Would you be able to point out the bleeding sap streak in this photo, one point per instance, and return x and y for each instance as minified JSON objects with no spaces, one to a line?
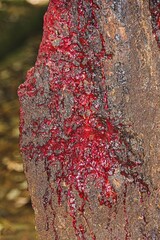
{"x":70,"y":125}
{"x":155,"y":14}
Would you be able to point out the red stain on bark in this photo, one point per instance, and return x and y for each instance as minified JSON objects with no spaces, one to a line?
{"x":66,"y":93}
{"x":155,"y":15}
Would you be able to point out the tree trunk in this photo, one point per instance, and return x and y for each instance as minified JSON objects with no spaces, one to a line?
{"x":89,"y":122}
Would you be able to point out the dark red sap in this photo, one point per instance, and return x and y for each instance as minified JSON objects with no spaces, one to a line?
{"x":155,"y":15}
{"x":65,"y":119}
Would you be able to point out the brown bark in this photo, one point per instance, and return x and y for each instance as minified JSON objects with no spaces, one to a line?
{"x":133,"y":91}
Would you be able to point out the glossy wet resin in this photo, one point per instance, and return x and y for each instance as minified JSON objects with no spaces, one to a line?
{"x":65,"y":118}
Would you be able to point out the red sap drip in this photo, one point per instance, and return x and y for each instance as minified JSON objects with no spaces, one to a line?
{"x":127,"y":237}
{"x":80,"y":143}
{"x":155,"y":18}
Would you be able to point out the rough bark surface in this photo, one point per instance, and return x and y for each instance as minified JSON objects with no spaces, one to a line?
{"x":91,"y":150}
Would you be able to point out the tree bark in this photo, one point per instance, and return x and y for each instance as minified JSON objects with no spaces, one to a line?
{"x":90,"y":123}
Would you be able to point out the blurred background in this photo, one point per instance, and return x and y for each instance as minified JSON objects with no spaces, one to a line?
{"x":20,"y":36}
